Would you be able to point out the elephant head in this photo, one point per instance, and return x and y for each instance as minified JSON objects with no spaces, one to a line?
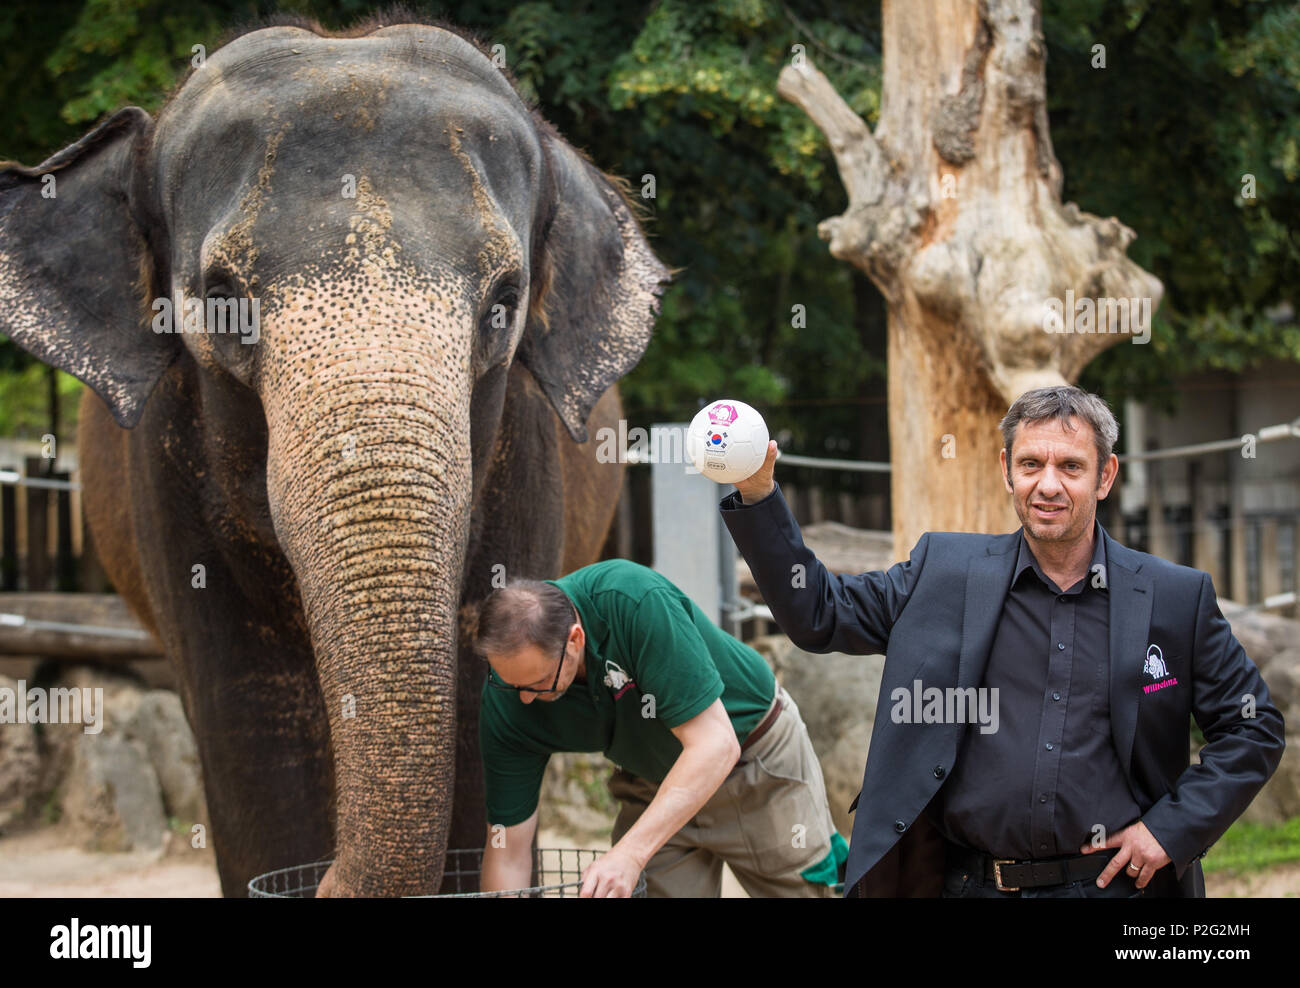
{"x":402,"y":228}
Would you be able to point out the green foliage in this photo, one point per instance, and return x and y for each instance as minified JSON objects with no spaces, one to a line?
{"x":24,"y":401}
{"x":1247,"y":846}
{"x":126,"y":52}
{"x":719,"y":62}
{"x":1195,"y":96}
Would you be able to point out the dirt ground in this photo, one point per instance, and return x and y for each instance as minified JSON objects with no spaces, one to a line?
{"x":46,"y":863}
{"x":1279,"y":882}
{"x":42,"y":863}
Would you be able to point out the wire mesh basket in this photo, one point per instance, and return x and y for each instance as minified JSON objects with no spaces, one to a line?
{"x":557,"y":872}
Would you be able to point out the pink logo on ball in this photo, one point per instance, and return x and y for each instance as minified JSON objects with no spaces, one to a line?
{"x":722,"y":414}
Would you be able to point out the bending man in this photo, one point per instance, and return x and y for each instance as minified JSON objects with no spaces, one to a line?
{"x":714,"y":761}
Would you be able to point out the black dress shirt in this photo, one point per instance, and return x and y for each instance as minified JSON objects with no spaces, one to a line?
{"x":1038,"y":785}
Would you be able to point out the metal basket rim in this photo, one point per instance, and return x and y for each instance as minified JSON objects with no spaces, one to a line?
{"x":257,"y":890}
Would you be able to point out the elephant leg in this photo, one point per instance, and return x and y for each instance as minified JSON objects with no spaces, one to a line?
{"x":241,"y":654}
{"x":267,"y":783}
{"x":469,"y":811}
{"x":263,"y":742}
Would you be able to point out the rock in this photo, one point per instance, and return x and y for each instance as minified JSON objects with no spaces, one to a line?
{"x":1279,"y":800}
{"x":115,"y":785}
{"x":574,"y":799}
{"x":1261,"y":634}
{"x":1282,"y":674}
{"x":836,"y":695}
{"x":105,"y":781}
{"x":111,"y":796}
{"x":843,"y":763}
{"x":115,"y":704}
{"x":158,"y":723}
{"x":20,"y":766}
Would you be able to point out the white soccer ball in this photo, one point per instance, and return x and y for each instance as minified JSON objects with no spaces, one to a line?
{"x":727,"y":441}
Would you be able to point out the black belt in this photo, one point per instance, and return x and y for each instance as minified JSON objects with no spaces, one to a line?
{"x":1010,"y":875}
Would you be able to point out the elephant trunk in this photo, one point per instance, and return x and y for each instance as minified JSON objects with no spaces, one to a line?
{"x":369,"y":479}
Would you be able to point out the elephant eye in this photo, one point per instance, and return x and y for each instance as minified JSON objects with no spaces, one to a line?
{"x":495,"y":341}
{"x":220,"y":290}
{"x":500,"y":315}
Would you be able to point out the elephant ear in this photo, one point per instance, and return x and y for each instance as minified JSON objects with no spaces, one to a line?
{"x":71,"y":255}
{"x":599,"y":285}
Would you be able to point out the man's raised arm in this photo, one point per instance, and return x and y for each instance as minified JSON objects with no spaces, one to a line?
{"x":818,"y":610}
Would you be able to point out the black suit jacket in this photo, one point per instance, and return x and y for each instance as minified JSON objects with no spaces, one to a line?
{"x":935,"y":615}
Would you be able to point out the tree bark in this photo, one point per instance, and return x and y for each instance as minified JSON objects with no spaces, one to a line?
{"x":955,"y":213}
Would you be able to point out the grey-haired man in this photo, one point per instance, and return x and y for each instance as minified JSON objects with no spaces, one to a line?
{"x":1096,"y":656}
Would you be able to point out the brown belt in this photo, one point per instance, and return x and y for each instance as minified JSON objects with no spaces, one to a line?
{"x":766,"y":723}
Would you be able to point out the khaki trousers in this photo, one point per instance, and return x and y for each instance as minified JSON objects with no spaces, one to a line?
{"x":769,"y":820}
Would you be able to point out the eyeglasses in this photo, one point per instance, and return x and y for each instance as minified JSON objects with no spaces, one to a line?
{"x":496,"y":682}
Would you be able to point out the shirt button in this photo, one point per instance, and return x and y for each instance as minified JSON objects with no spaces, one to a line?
{"x":938,"y":771}
{"x":900,"y":826}
{"x":1042,"y":799}
{"x":1061,"y":598}
{"x":1050,"y":746}
{"x":1042,"y":847}
{"x":1055,"y":695}
{"x":1061,"y":646}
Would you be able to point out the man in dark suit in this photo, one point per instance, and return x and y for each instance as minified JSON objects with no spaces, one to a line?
{"x":1031,"y":737}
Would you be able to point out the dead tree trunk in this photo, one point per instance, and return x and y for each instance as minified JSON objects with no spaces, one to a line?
{"x":955,"y":213}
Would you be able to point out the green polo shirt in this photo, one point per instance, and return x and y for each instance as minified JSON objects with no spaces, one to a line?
{"x":654,"y":661}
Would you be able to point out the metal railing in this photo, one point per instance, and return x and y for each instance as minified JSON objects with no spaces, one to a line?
{"x":14,"y":478}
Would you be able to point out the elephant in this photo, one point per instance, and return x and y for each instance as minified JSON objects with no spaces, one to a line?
{"x":306,"y":514}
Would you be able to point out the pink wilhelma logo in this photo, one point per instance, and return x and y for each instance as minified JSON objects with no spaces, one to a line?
{"x":722,"y":414}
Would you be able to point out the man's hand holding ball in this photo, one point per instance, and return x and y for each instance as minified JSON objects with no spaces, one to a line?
{"x":760,"y":484}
